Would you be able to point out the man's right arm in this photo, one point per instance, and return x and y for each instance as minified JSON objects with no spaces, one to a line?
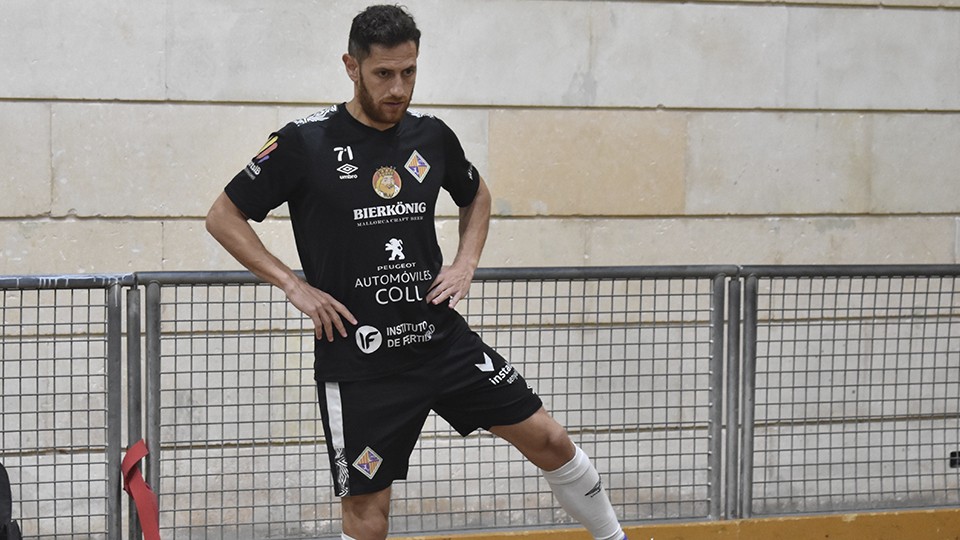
{"x":229,"y":226}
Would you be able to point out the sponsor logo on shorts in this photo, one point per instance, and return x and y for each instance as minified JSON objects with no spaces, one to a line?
{"x":368,"y":463}
{"x":487,"y":365}
{"x":506,"y":374}
{"x":369,"y":339}
{"x":417,"y":166}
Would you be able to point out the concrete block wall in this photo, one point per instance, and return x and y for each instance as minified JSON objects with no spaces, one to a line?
{"x":616,"y":132}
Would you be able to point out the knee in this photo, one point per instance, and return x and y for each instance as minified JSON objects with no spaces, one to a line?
{"x":365,"y":517}
{"x":559,"y":446}
{"x":541,"y":439}
{"x":554,"y":447}
{"x":367,"y":527}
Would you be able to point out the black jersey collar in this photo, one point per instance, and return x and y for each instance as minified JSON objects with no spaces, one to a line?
{"x":367,"y":129}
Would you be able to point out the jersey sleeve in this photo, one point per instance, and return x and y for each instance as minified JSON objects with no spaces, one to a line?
{"x":272,"y":176}
{"x":462,"y":179}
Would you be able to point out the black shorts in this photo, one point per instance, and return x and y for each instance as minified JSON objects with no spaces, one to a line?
{"x":373,"y":425}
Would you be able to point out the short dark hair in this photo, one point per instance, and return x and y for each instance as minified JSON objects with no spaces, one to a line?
{"x":381,"y":25}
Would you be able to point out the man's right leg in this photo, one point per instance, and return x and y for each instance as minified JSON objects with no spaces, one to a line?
{"x":369,"y":442}
{"x":365,"y":517}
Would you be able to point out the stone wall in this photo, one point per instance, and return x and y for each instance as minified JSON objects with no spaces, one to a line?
{"x":610,"y":132}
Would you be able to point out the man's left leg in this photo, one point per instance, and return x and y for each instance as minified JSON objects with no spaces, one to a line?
{"x":572,"y":477}
{"x":482,"y":390}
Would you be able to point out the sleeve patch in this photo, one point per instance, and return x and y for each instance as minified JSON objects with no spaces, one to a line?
{"x":253,"y":168}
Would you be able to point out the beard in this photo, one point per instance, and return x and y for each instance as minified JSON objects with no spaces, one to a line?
{"x":375,"y":112}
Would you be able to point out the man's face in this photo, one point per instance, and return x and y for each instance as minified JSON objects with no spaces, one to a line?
{"x":384,"y":83}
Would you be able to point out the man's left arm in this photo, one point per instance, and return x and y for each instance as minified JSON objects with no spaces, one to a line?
{"x":453,"y":283}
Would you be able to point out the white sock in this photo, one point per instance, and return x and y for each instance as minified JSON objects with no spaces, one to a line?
{"x":577,"y":486}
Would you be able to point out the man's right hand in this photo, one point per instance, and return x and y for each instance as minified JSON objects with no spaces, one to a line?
{"x":229,"y":226}
{"x":324,"y":310}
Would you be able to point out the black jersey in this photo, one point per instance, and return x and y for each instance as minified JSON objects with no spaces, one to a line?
{"x":362,"y":205}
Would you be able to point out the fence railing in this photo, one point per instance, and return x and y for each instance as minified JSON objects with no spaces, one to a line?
{"x":61,"y":369}
{"x":853,"y":381}
{"x":700,"y":392}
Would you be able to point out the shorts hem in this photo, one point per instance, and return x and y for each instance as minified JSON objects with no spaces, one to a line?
{"x":513,"y":420}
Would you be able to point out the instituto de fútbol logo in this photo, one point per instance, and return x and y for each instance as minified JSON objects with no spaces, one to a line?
{"x":369,"y":339}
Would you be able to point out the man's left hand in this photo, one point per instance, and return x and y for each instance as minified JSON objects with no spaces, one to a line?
{"x":453,"y":284}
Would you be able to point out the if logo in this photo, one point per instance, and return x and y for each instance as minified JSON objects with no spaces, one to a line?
{"x":369,"y":339}
{"x":341,"y":150}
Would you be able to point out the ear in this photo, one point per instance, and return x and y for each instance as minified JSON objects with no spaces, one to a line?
{"x":353,"y":67}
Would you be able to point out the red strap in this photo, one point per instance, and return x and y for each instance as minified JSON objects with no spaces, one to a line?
{"x":148,"y":509}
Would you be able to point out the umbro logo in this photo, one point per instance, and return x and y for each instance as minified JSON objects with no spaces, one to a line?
{"x":348,"y":169}
{"x":595,"y":490}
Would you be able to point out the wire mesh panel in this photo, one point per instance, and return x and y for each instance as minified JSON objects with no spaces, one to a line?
{"x":241,"y":449}
{"x":857,"y":395}
{"x":55,"y":399}
{"x":624,"y":364}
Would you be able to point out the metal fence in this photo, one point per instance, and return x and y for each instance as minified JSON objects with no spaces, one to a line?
{"x":846,"y":397}
{"x":629,"y":360}
{"x":60,"y":342}
{"x":853,"y":381}
{"x":233,"y":424}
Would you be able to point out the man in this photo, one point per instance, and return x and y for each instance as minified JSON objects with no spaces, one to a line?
{"x":362,"y":180}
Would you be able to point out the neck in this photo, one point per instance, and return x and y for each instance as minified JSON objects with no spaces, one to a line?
{"x":356,"y":111}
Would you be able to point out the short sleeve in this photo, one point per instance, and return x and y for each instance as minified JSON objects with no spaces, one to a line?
{"x":462,"y":179}
{"x":272,"y":176}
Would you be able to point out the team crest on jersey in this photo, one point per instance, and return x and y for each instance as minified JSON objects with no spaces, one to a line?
{"x":417,"y":166}
{"x":386,"y":182}
{"x":368,"y":463}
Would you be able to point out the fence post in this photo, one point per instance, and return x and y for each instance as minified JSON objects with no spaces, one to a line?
{"x":731,"y":508}
{"x":114,"y":410}
{"x":134,"y":391}
{"x":152,"y":398}
{"x":748,"y":395}
{"x":716,"y":396}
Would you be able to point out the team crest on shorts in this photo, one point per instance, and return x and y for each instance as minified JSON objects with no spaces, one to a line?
{"x":386,"y":182}
{"x":368,"y":463}
{"x":417,"y":166}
